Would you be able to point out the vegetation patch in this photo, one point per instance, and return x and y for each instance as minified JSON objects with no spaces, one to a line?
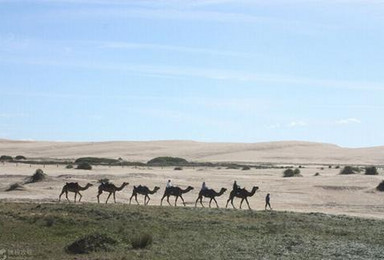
{"x":245,"y":168}
{"x":15,"y":187}
{"x":6,"y":158}
{"x":178,"y":169}
{"x":167,"y":161}
{"x":38,"y":176}
{"x":20,"y":157}
{"x":349,"y":170}
{"x":380,"y":187}
{"x":371,"y":171}
{"x":92,"y":243}
{"x":292,"y":173}
{"x":84,"y":166}
{"x":141,"y":241}
{"x":69,"y":166}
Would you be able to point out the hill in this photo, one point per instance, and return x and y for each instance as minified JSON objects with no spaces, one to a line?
{"x":269,"y":152}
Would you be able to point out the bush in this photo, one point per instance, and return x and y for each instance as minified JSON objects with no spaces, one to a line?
{"x":292,"y":173}
{"x":16,"y":186}
{"x":84,"y":166}
{"x":167,"y":161}
{"x":380,"y":187}
{"x":69,"y":166}
{"x":6,"y":158}
{"x":38,"y":176}
{"x":317,"y":174}
{"x":92,"y":243}
{"x":371,"y":171}
{"x":96,"y":160}
{"x":349,"y":170}
{"x":245,"y":168}
{"x":20,"y":157}
{"x":141,"y":241}
{"x":178,"y":169}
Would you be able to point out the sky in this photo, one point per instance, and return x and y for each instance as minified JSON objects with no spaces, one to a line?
{"x":204,"y":70}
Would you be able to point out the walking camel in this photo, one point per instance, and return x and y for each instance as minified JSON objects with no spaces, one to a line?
{"x":73,"y":187}
{"x":175,"y":191}
{"x":111,"y":188}
{"x":209,"y":193}
{"x":143,"y":190}
{"x":243,"y":194}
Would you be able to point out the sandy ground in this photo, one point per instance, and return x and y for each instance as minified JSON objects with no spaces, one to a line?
{"x":328,"y":193}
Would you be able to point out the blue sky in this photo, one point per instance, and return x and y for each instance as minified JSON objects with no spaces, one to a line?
{"x":208,"y":70}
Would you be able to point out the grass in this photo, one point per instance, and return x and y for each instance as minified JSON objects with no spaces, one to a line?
{"x":46,"y":231}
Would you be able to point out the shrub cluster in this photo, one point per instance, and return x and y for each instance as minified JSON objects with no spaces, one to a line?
{"x":349,"y":170}
{"x":371,"y":171}
{"x":292,"y":173}
{"x":167,"y":161}
{"x":84,"y":166}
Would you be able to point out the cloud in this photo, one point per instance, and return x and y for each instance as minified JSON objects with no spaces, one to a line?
{"x":172,"y":48}
{"x":348,"y":121}
{"x":199,"y":72}
{"x":297,"y":124}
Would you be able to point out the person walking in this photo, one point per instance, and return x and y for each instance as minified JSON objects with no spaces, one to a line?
{"x":267,"y":201}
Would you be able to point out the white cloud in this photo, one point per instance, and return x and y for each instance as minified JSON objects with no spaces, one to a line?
{"x":273,"y":126}
{"x":348,"y":121}
{"x":297,"y":124}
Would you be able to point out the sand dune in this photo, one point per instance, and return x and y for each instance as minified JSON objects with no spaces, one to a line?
{"x":271,"y":152}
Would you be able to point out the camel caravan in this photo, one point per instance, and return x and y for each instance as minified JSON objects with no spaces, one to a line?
{"x":170,"y":190}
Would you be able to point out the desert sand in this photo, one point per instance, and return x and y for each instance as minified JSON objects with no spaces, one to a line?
{"x":330,"y":192}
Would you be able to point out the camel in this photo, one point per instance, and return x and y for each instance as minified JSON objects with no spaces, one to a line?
{"x":111,"y":188}
{"x":73,"y":187}
{"x":243,"y":194}
{"x":175,"y":191}
{"x":209,"y":193}
{"x":143,"y":190}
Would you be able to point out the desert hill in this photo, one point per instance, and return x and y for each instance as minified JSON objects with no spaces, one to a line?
{"x":268,"y":152}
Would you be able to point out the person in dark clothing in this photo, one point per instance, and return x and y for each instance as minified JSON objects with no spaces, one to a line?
{"x":267,"y":201}
{"x":235,"y":186}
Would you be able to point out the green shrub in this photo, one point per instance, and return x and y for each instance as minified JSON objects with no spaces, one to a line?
{"x":349,"y":170}
{"x":38,"y":176}
{"x":317,"y":174}
{"x":167,"y":161}
{"x":6,"y":158}
{"x":371,"y":171}
{"x":84,"y":166}
{"x":292,"y":173}
{"x":92,"y":243}
{"x":15,"y":186}
{"x":69,"y":166}
{"x":20,"y":157}
{"x":245,"y":168}
{"x":380,"y":187}
{"x":141,"y":241}
{"x":178,"y":169}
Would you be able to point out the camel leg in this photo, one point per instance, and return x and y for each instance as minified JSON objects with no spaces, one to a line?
{"x":114,"y":197}
{"x":210,"y":202}
{"x":226,"y":205}
{"x":136,"y":200}
{"x":246,"y":200}
{"x":232,"y":203}
{"x":197,"y":201}
{"x":130,"y":199}
{"x":177,"y":197}
{"x":216,"y":203}
{"x":98,"y":195}
{"x":241,"y":203}
{"x":201,"y":201}
{"x":66,"y":195}
{"x":161,"y":202}
{"x":80,"y":196}
{"x":108,"y":197}
{"x":184,"y":201}
{"x":168,"y":201}
{"x":62,"y":192}
{"x":148,"y":199}
{"x":75,"y":197}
